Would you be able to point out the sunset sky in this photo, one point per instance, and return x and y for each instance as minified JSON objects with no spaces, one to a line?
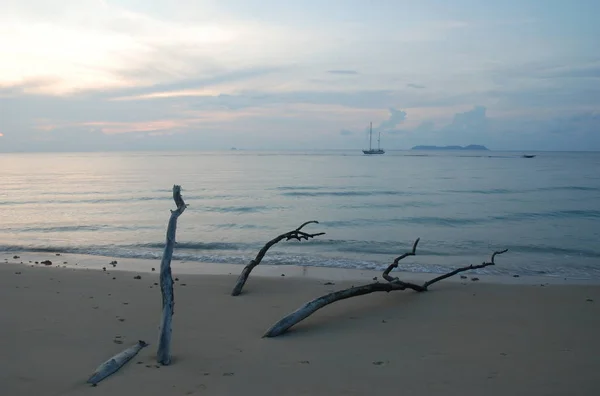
{"x":208,"y":75}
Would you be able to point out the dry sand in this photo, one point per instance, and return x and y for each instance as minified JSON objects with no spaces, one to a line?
{"x":461,"y":338}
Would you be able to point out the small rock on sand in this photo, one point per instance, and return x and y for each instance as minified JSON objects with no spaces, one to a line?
{"x":474,"y":279}
{"x":137,"y":277}
{"x":47,"y":262}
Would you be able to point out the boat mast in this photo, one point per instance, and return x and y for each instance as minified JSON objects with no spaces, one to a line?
{"x":370,"y":134}
{"x":378,"y":141}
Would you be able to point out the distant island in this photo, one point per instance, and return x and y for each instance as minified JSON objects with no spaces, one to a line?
{"x":469,"y":147}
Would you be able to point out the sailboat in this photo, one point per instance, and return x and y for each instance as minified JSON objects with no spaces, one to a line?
{"x":372,"y":150}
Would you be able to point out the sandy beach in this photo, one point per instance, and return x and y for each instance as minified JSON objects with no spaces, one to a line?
{"x":460,"y":338}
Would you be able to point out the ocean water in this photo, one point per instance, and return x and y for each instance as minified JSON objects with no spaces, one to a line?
{"x":463,"y":206}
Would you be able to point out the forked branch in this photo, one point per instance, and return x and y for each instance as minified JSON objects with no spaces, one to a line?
{"x":393,"y":284}
{"x":407,"y":285}
{"x":297,"y":234}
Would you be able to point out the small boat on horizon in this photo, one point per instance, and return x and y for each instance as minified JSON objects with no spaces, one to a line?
{"x":528,"y":156}
{"x":370,"y":151}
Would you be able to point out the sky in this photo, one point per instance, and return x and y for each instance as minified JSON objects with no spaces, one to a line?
{"x":95,"y":75}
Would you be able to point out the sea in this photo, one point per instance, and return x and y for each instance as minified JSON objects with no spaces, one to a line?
{"x":463,"y":205}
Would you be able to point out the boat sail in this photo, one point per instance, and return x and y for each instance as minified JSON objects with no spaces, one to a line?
{"x":379,"y":150}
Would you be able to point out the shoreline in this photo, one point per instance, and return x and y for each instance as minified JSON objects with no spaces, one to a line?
{"x":143,"y":265}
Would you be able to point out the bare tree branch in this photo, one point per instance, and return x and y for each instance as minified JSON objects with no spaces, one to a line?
{"x":294,"y":234}
{"x":470,"y":267}
{"x":166,"y":281}
{"x":394,"y":284}
{"x":386,"y":273}
{"x":311,"y":307}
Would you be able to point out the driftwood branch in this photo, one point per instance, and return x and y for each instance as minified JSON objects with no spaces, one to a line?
{"x":297,"y":234}
{"x":113,"y":364}
{"x":393,"y":284}
{"x":166,"y":282}
{"x":468,"y":268}
{"x":407,"y":285}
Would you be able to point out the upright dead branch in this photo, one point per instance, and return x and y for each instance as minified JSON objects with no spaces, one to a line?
{"x":294,"y":234}
{"x":393,"y":284}
{"x":166,"y":282}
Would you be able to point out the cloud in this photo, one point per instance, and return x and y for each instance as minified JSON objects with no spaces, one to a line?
{"x":468,"y":127}
{"x":396,"y":117}
{"x":185,"y":87}
{"x":416,"y":86}
{"x":350,"y":72}
{"x":472,"y":120}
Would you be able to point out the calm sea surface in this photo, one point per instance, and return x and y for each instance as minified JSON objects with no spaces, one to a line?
{"x":463,"y":205}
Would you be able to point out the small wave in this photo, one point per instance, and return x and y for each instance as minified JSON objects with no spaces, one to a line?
{"x":343,"y":193}
{"x":522,"y":191}
{"x":86,"y":228}
{"x":569,"y":188}
{"x":422,"y":220}
{"x":490,"y":191}
{"x":410,"y":204}
{"x":238,"y":209}
{"x":465,"y":221}
{"x":69,"y":193}
{"x":195,"y":245}
{"x":293,"y":188}
{"x":573,"y":213}
{"x":562,"y":251}
{"x":242,"y":226}
{"x":112,"y":200}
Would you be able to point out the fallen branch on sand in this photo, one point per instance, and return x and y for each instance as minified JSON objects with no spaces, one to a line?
{"x":294,"y":234}
{"x":113,"y":364}
{"x":393,"y":284}
{"x":166,"y":282}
